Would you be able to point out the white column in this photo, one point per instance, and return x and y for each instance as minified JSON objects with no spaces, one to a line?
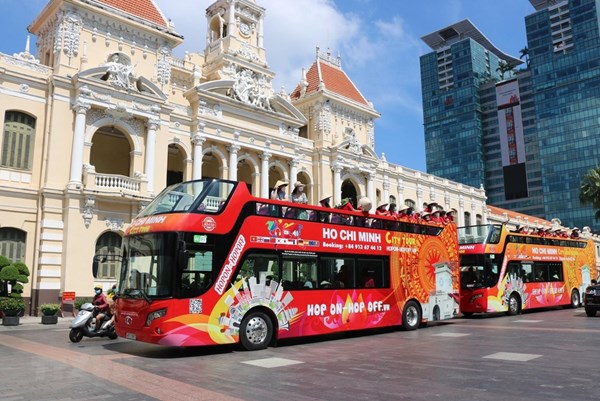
{"x":400,"y":193}
{"x":419,"y":205}
{"x":370,"y":189}
{"x":81,"y":108}
{"x":264,"y":174}
{"x":461,"y":212}
{"x":152,"y":126}
{"x":485,"y":215}
{"x":231,"y":18}
{"x":198,"y":140}
{"x":260,"y":32}
{"x":386,"y":190}
{"x":233,"y":159}
{"x":293,"y":172}
{"x":337,"y":185}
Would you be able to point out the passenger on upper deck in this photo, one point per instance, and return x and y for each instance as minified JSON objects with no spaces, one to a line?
{"x":382,"y":210}
{"x":392,"y":210}
{"x":279,"y":189}
{"x":298,"y":195}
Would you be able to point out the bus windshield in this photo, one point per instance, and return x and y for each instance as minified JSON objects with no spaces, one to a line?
{"x":483,"y":234}
{"x":147,"y":267}
{"x":202,"y":196}
{"x":479,"y":270}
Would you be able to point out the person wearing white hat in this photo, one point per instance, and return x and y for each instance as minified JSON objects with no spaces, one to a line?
{"x":298,"y":195}
{"x":278,"y":192}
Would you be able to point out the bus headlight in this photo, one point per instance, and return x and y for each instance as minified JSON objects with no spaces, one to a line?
{"x":155,"y":315}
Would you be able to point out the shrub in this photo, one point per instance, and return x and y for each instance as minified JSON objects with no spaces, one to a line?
{"x":50,"y":309}
{"x":11,"y":306}
{"x":81,"y":301}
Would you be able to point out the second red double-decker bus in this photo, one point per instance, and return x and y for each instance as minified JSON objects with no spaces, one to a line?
{"x":503,"y":271}
{"x":207,"y":263}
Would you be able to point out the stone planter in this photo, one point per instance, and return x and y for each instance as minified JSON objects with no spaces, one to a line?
{"x":10,"y":321}
{"x":49,"y":319}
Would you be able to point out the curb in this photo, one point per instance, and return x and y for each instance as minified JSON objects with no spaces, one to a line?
{"x":35,"y":323}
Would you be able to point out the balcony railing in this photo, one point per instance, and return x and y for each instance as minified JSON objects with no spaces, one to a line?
{"x":113,"y":183}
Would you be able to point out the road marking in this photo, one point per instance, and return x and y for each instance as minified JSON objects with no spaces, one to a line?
{"x":272,"y":362}
{"x":527,"y":321}
{"x":140,"y":381}
{"x":451,"y":335}
{"x":512,"y":356}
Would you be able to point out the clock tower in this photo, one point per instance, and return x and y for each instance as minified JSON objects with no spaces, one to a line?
{"x":234,"y":43}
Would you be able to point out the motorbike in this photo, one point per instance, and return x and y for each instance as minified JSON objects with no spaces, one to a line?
{"x":84,"y":325}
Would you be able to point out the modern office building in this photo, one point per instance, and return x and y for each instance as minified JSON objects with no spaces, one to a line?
{"x":527,"y":136}
{"x":103,"y":116}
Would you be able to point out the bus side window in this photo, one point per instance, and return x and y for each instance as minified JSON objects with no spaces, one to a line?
{"x":264,"y":267}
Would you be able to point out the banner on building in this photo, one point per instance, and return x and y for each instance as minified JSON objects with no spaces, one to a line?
{"x":512,"y":142}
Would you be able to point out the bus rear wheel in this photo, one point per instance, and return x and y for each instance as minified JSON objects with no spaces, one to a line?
{"x":514,"y":305}
{"x":256,"y":331}
{"x":575,"y":299}
{"x":411,"y":316}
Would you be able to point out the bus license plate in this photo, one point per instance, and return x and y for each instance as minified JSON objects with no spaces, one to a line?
{"x":130,"y":336}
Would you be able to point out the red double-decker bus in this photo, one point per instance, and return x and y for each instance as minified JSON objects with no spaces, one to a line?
{"x":504,"y":271}
{"x":207,"y":263}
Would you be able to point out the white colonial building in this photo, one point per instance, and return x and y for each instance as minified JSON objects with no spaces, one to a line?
{"x":102,"y":117}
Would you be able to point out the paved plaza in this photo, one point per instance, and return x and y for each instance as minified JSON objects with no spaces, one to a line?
{"x":548,"y":355}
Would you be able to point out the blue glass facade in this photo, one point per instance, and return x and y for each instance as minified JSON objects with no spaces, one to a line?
{"x":564,"y":49}
{"x":560,"y":101}
{"x":452,"y":114}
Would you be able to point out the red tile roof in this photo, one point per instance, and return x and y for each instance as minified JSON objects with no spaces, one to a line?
{"x":334,"y":80}
{"x":144,"y":9}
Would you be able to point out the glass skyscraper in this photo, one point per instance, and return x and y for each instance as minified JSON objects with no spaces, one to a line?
{"x":526,"y":136}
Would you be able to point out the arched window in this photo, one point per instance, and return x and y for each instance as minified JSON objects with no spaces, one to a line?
{"x":467,"y":219}
{"x":108,"y":254}
{"x":12,"y":244}
{"x":18,"y":140}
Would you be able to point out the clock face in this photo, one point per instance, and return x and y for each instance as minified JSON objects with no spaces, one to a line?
{"x":244,"y":28}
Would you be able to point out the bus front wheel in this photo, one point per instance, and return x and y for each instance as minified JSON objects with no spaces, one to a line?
{"x":256,"y":331}
{"x":575,"y":299}
{"x":411,"y":316}
{"x":514,"y":305}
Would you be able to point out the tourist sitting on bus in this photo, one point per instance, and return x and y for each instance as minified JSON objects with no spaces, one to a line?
{"x":325,"y":284}
{"x":308,"y":282}
{"x":392,"y":210}
{"x":341,"y":277}
{"x":298,"y":195}
{"x":368,"y":280}
{"x":382,"y":210}
{"x":539,"y":275}
{"x":278,"y":192}
{"x":575,"y":232}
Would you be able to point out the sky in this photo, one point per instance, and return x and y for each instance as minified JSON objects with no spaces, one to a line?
{"x":379,"y":42}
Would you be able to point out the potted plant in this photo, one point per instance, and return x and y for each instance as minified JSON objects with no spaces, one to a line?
{"x":11,"y":307}
{"x":49,"y":313}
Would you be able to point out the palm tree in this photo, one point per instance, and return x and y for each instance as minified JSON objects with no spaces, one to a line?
{"x":589,"y":191}
{"x":525,"y":53}
{"x":504,"y":67}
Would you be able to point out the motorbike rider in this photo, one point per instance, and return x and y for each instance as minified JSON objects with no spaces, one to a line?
{"x":101,"y":303}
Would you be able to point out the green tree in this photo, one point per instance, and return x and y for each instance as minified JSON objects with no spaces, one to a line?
{"x":16,"y":274}
{"x":589,"y":191}
{"x":525,"y":54}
